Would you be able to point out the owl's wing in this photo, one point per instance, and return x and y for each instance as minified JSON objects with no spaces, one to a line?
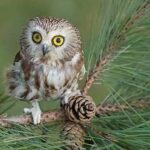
{"x":15,"y":78}
{"x":17,"y":58}
{"x":82,"y":72}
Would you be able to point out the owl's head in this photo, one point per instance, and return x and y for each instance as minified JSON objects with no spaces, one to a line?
{"x":50,"y":38}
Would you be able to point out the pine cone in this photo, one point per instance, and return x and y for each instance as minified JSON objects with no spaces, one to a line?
{"x":80,"y":109}
{"x":74,"y":136}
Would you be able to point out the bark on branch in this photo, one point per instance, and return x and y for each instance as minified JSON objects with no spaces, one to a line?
{"x":103,"y":109}
{"x":27,"y":119}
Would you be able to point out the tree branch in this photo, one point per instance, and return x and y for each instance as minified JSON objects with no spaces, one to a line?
{"x":102,"y":109}
{"x":27,"y":119}
{"x":104,"y":61}
{"x":105,"y":109}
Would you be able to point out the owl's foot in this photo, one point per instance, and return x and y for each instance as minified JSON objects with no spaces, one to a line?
{"x":35,"y":111}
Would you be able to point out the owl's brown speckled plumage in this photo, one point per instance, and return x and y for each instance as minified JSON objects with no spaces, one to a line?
{"x":44,"y":69}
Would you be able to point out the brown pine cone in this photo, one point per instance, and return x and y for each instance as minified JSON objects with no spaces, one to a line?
{"x":73,"y":134}
{"x":80,"y":109}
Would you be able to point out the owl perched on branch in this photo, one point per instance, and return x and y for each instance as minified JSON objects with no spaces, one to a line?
{"x":48,"y":65}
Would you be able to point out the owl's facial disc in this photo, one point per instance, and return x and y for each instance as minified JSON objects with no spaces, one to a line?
{"x":50,"y":39}
{"x":50,"y":44}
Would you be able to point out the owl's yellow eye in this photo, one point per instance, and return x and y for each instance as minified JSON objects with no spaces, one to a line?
{"x":36,"y":37}
{"x":58,"y":40}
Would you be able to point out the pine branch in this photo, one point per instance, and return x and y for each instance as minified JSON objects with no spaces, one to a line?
{"x":102,"y":109}
{"x":106,"y":109}
{"x":106,"y":136}
{"x":104,"y":61}
{"x":27,"y":119}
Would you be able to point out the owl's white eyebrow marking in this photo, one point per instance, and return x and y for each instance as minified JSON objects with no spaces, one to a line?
{"x":37,"y":29}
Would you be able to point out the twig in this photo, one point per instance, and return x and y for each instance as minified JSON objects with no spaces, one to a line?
{"x":106,"y":136}
{"x":103,"y":109}
{"x":104,"y":61}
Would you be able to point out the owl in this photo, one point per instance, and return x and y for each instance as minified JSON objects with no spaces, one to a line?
{"x":49,"y":64}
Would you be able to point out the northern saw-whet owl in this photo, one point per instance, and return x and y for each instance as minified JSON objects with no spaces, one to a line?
{"x":48,"y":65}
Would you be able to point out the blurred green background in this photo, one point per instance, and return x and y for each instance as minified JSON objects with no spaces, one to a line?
{"x":15,"y":14}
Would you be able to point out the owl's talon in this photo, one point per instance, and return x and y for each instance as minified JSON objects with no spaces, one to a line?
{"x":36,"y":115}
{"x":35,"y":111}
{"x":27,"y":110}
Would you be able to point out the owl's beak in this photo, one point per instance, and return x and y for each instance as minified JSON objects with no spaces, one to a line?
{"x":45,"y":49}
